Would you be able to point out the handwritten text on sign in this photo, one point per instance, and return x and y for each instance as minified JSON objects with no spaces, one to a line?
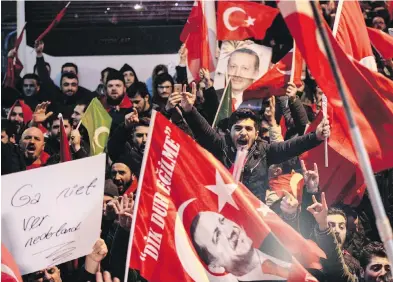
{"x":53,"y":214}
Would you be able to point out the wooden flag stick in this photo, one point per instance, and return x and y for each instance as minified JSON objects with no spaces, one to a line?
{"x":293,"y":66}
{"x":324,"y":111}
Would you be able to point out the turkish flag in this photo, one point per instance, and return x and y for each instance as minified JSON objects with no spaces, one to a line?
{"x":65,"y":153}
{"x":193,"y":223}
{"x":274,"y":82}
{"x":382,"y":41}
{"x":292,"y":183}
{"x":370,"y":98}
{"x":351,"y":33}
{"x":56,"y":20}
{"x":195,"y":35}
{"x":242,"y":20}
{"x":9,"y":268}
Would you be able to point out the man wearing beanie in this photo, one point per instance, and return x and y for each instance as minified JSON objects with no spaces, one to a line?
{"x":129,"y":75}
{"x":116,"y":102}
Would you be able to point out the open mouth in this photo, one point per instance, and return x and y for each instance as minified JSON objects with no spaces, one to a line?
{"x":30,"y":148}
{"x":242,"y":142}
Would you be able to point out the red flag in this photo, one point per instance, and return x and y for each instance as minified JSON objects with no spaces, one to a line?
{"x":9,"y":268}
{"x":276,"y":79}
{"x":292,"y":182}
{"x":57,"y":19}
{"x":242,"y":20}
{"x":382,"y":42}
{"x":195,"y":35}
{"x":370,"y":97}
{"x":65,"y":153}
{"x":192,"y":213}
{"x":351,"y":33}
{"x":20,"y":37}
{"x":390,"y":9}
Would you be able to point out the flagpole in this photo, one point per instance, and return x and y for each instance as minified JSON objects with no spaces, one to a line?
{"x":337,"y":18}
{"x":382,"y":221}
{"x":293,"y":66}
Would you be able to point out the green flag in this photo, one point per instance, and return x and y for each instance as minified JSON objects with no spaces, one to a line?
{"x":98,"y":124}
{"x":225,"y":107}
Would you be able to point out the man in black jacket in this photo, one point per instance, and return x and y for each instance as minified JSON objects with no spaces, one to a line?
{"x":244,"y":125}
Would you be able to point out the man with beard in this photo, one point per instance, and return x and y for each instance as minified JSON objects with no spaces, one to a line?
{"x":140,"y":99}
{"x":69,"y":91}
{"x":32,"y":146}
{"x":122,"y":175}
{"x":129,"y":139}
{"x":243,"y":125}
{"x":337,"y":221}
{"x":116,"y":102}
{"x":375,"y":264}
{"x":20,"y":114}
{"x":225,"y":247}
{"x":77,"y":147}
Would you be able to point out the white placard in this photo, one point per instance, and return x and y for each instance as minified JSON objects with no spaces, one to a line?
{"x":51,"y":215}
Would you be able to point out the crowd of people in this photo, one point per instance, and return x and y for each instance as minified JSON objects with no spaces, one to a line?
{"x":30,"y":135}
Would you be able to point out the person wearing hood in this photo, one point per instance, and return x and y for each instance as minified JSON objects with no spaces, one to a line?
{"x":123,"y":176}
{"x":21,"y":115}
{"x":129,"y":75}
{"x":116,"y":102}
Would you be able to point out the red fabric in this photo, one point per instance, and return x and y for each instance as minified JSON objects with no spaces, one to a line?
{"x":195,"y":36}
{"x":283,"y":127}
{"x":132,"y":187}
{"x":20,"y":37}
{"x":242,"y":20}
{"x":292,"y":183}
{"x":57,"y":19}
{"x":27,"y":112}
{"x":9,"y":268}
{"x":274,"y":82}
{"x":65,"y":153}
{"x":42,"y":161}
{"x":390,"y":8}
{"x":10,"y":76}
{"x":233,"y":104}
{"x":382,"y":42}
{"x":179,"y":178}
{"x":352,"y":33}
{"x":126,"y":103}
{"x":374,"y":116}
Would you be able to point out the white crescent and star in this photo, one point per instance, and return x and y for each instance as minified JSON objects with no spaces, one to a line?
{"x":223,"y":191}
{"x":97,"y":133}
{"x":227,"y":13}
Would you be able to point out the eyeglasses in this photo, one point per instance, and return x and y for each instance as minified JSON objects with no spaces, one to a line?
{"x":164,"y":87}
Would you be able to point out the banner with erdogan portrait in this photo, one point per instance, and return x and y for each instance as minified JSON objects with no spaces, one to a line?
{"x":193,"y":223}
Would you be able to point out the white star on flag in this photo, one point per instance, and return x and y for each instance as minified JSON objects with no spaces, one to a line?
{"x":250,"y":21}
{"x":264,"y":209}
{"x":223,"y":191}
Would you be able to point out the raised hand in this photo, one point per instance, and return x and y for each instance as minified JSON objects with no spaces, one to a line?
{"x":131,"y":118}
{"x":291,"y":90}
{"x":204,"y":75}
{"x":188,"y":99}
{"x":40,"y":115}
{"x":289,"y":204}
{"x":123,"y":210}
{"x":311,"y":178}
{"x":270,"y":111}
{"x":320,"y":212}
{"x":323,"y":130}
{"x":12,"y":53}
{"x":173,"y":100}
{"x":100,"y":250}
{"x":106,"y":277}
{"x":183,"y":52}
{"x":39,"y":48}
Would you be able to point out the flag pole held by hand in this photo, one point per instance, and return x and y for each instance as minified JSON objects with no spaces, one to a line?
{"x":324,"y":111}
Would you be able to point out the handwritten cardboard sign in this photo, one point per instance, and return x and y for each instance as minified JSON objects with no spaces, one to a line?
{"x":53,"y":214}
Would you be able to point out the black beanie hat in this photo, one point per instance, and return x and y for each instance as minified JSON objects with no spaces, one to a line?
{"x":115,"y":75}
{"x":128,"y":161}
{"x":111,"y":189}
{"x":125,"y":68}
